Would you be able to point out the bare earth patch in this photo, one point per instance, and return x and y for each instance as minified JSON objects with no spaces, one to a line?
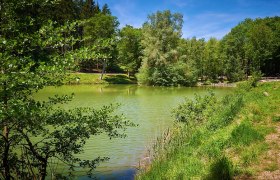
{"x":270,"y":165}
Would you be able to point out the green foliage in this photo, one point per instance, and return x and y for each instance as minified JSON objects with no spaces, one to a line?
{"x":161,"y":59}
{"x":251,"y":47}
{"x":223,"y":145}
{"x":222,"y":169}
{"x":35,"y":53}
{"x":105,"y":9}
{"x":197,"y":110}
{"x":170,"y":75}
{"x":100,"y":26}
{"x":256,"y":76}
{"x":192,"y":53}
{"x":231,"y":107}
{"x":245,"y":134}
{"x":88,"y":8}
{"x":129,"y":49}
{"x":99,"y":40}
{"x":211,"y":62}
{"x":276,"y":118}
{"x":91,"y":78}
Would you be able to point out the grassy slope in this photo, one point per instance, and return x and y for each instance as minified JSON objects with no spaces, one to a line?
{"x":230,"y":143}
{"x":93,"y":78}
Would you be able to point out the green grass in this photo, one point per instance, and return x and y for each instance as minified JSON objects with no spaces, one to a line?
{"x":272,"y":167}
{"x":229,"y":142}
{"x":276,"y":118}
{"x":245,"y":134}
{"x":250,"y":154}
{"x":222,"y":169}
{"x":93,"y":78}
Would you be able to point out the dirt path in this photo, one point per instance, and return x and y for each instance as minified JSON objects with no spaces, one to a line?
{"x":270,"y":164}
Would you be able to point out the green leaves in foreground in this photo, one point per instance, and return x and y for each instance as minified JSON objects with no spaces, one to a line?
{"x":36,"y":52}
{"x":41,"y":133}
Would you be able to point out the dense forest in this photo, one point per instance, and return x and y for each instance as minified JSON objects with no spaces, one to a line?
{"x":157,"y":53}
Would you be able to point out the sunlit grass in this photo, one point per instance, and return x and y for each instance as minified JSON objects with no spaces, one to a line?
{"x":228,"y":143}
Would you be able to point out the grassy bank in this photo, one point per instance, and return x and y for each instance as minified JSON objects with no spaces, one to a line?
{"x":94,"y":78}
{"x":220,"y":139}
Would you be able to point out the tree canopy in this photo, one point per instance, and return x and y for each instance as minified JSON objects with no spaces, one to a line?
{"x":129,"y":48}
{"x":35,"y":53}
{"x":161,"y":62}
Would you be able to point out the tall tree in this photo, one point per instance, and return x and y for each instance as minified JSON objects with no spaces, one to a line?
{"x":212,"y":64}
{"x":31,"y":59}
{"x":88,"y":9}
{"x":193,"y":50}
{"x":260,"y":47}
{"x":129,"y":49}
{"x":252,"y":46}
{"x":234,"y":43}
{"x":161,"y":35}
{"x":105,"y":9}
{"x":100,"y":28}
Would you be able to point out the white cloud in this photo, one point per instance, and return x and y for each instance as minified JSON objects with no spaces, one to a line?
{"x":210,"y":24}
{"x":125,"y":13}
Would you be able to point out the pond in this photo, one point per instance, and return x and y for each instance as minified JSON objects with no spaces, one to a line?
{"x":149,"y":107}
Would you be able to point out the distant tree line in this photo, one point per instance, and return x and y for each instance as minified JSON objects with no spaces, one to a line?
{"x":252,"y":47}
{"x":157,"y":54}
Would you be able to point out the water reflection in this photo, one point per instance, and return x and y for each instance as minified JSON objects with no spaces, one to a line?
{"x":150,"y":107}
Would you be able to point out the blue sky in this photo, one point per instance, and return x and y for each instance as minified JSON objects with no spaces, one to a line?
{"x":202,"y":18}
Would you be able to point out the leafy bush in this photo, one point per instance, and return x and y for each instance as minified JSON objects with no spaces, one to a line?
{"x":197,"y":110}
{"x":177,"y":74}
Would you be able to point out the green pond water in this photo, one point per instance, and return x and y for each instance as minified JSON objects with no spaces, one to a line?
{"x":149,"y":107}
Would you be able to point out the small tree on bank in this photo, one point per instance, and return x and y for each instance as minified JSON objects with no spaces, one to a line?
{"x":35,"y":53}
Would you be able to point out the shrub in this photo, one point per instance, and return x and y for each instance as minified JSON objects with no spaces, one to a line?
{"x":197,"y":110}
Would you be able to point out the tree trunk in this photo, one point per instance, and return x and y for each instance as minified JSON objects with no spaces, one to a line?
{"x":5,"y":158}
{"x":43,"y":170}
{"x":128,"y":73}
{"x":43,"y":160}
{"x":103,"y":69}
